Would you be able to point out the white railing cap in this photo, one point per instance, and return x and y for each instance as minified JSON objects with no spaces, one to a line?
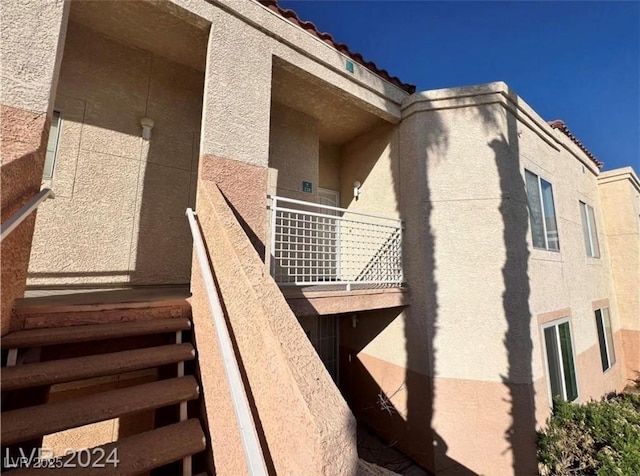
{"x":278,"y":198}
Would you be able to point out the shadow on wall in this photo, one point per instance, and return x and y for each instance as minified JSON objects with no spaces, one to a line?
{"x":520,"y":435}
{"x":118,"y":217}
{"x":361,"y":382}
{"x":164,"y":244}
{"x":515,"y":299}
{"x":351,"y":160}
{"x":421,"y":352}
{"x":359,"y":157}
{"x":412,"y":429}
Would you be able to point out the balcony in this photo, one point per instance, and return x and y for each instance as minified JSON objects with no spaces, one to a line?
{"x":314,"y":245}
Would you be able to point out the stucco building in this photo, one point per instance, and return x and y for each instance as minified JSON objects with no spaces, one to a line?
{"x":436,"y":266}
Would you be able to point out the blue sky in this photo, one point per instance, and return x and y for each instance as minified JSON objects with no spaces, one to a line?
{"x":576,"y":61}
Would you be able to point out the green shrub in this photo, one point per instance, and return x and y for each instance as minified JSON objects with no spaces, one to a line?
{"x":596,"y":438}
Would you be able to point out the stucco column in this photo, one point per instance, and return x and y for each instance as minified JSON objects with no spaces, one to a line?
{"x":620,"y":204}
{"x":234,"y":150}
{"x":33,"y":35}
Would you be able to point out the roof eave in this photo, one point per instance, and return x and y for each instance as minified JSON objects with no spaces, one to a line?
{"x":560,"y":125}
{"x":309,"y":27}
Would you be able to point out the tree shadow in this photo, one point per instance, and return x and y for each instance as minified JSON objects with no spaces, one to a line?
{"x":416,"y":154}
{"x":123,"y":196}
{"x":419,"y":150}
{"x":515,"y":299}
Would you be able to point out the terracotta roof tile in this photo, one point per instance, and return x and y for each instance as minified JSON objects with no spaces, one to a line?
{"x":328,"y":39}
{"x":559,"y":124}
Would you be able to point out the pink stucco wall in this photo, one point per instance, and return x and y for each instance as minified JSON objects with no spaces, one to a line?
{"x":304,"y":421}
{"x":23,"y":143}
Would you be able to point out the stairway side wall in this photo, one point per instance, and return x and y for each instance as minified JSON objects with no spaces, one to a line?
{"x":32,"y":40}
{"x":301,"y":414}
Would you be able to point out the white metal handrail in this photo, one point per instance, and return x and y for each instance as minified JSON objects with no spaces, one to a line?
{"x":316,"y":244}
{"x":248,"y":434}
{"x":18,"y":217}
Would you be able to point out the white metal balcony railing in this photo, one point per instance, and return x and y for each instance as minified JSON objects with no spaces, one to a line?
{"x":314,"y":244}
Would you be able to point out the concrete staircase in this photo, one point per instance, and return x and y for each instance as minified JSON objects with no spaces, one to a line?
{"x":67,"y":378}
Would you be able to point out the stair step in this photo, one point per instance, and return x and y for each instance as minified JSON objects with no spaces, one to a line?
{"x":72,"y":334}
{"x":26,"y":423}
{"x":68,"y":370}
{"x":139,"y":453}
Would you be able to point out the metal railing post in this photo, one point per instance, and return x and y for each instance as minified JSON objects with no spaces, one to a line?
{"x":272,"y":245}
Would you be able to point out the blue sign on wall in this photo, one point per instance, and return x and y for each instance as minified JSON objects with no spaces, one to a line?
{"x":307,"y":187}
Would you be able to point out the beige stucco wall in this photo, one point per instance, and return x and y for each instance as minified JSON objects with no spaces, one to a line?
{"x":383,"y":361}
{"x":571,"y":279}
{"x":451,"y":194}
{"x":454,"y":330}
{"x":329,"y":166}
{"x":371,"y":159}
{"x":244,"y":133}
{"x":118,"y":215}
{"x":294,"y":152}
{"x":477,"y":283}
{"x":469,"y":144}
{"x":237,"y":99}
{"x":452,"y":171}
{"x":32,"y":40}
{"x":620,"y":198}
{"x":257,"y":130}
{"x":32,"y":35}
{"x":381,"y":391}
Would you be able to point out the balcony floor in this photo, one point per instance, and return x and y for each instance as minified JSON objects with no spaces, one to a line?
{"x":335,"y":299}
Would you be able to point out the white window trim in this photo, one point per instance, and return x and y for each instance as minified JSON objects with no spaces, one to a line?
{"x":555,"y":324}
{"x":544,"y":218}
{"x":590,"y":231}
{"x":604,"y":330}
{"x":57,"y":145}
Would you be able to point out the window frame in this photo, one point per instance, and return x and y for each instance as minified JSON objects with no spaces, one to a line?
{"x":604,"y":340}
{"x":541,"y":201}
{"x":54,"y":155}
{"x":591,"y":230}
{"x":557,"y":323}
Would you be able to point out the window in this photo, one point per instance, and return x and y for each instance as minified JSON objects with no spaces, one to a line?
{"x":605,"y":336}
{"x":561,"y":369}
{"x":52,"y":145}
{"x":544,"y":229}
{"x":589,"y":231}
